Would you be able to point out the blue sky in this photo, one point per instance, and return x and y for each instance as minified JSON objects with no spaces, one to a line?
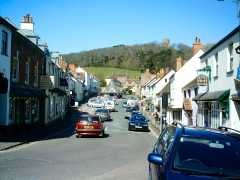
{"x":77,"y":25}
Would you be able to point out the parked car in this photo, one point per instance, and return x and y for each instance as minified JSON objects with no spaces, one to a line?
{"x":195,"y":153}
{"x":91,"y":102}
{"x":89,"y":125}
{"x":129,"y":111}
{"x":103,"y":113}
{"x":138,"y":122}
{"x":110,"y":105}
{"x":98,"y":103}
{"x":136,"y":113}
{"x":124,"y":104}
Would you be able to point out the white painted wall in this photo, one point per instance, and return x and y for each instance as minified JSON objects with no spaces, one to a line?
{"x":159,"y":86}
{"x":225,"y":80}
{"x":181,"y":78}
{"x":5,"y":62}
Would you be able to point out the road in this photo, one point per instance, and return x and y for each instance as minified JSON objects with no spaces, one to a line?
{"x":121,"y":155}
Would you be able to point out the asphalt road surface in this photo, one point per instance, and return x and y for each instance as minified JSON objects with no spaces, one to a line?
{"x":121,"y":155}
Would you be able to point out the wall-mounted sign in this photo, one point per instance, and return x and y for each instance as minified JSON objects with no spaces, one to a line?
{"x":202,"y":80}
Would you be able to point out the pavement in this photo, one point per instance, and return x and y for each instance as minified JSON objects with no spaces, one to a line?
{"x":35,"y":134}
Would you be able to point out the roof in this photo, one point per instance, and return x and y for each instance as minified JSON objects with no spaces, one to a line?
{"x":7,"y":23}
{"x":149,"y":81}
{"x":208,"y":132}
{"x":28,"y":33}
{"x":191,"y":84}
{"x":221,"y":41}
{"x":213,"y":96}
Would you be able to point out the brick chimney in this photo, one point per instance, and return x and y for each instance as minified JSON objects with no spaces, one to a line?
{"x":72,"y":68}
{"x":179,"y":63}
{"x":27,"y":23}
{"x":196,"y":46}
{"x":161,"y":73}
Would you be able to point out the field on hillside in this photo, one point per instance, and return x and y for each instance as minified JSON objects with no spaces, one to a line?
{"x":103,"y":72}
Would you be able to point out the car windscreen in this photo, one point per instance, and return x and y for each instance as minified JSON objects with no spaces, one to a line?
{"x":139,"y":118}
{"x":208,"y":156}
{"x":101,"y":111}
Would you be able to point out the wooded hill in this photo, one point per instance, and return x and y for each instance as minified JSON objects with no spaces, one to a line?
{"x":135,"y":57}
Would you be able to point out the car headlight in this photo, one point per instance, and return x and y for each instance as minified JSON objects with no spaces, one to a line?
{"x":131,"y":124}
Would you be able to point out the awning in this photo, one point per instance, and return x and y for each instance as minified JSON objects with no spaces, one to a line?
{"x":213,"y":96}
{"x":22,"y":91}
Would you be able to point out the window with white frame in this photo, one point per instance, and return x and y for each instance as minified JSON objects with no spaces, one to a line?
{"x":26,"y":73}
{"x":4,"y":49}
{"x":230,"y":58}
{"x":215,"y":72}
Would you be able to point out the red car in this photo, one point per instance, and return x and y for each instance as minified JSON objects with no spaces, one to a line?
{"x":89,"y":125}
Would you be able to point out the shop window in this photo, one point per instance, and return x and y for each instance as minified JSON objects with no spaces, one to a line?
{"x":35,"y":110}
{"x":12,"y":109}
{"x":28,"y":112}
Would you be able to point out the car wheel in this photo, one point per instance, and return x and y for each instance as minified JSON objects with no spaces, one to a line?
{"x":102,"y":134}
{"x":129,"y":128}
{"x":78,"y":136}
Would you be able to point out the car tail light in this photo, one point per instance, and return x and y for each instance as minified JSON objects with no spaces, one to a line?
{"x":79,"y":125}
{"x":97,"y":124}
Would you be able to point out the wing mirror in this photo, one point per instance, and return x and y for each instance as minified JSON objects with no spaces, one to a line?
{"x":155,"y":159}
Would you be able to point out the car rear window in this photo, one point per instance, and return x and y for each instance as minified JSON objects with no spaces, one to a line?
{"x":210,"y":156}
{"x":95,"y":118}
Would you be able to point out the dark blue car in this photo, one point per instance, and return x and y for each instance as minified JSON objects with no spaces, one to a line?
{"x":195,"y":153}
{"x":138,"y":122}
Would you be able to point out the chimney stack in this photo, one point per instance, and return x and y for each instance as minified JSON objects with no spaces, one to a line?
{"x":196,"y":46}
{"x":179,"y":63}
{"x":27,"y":23}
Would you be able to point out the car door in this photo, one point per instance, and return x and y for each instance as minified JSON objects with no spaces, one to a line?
{"x":162,"y":148}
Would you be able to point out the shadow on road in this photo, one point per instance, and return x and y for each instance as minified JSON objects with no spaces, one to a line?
{"x":59,"y":129}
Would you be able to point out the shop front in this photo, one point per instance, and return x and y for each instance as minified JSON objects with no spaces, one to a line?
{"x":25,"y":106}
{"x":213,"y":109}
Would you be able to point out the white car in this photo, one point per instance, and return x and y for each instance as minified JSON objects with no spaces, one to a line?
{"x":110,"y":105}
{"x":91,"y":102}
{"x":98,"y":104}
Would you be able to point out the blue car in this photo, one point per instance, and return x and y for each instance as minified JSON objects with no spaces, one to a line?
{"x":138,"y":122}
{"x":131,"y":109}
{"x":195,"y":153}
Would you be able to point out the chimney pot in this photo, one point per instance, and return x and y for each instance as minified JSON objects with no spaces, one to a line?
{"x":179,"y":63}
{"x":196,"y":46}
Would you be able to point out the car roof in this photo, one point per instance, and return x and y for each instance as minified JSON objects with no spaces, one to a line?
{"x":202,"y":132}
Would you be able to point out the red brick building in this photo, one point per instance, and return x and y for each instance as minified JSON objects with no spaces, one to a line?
{"x":27,"y":63}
